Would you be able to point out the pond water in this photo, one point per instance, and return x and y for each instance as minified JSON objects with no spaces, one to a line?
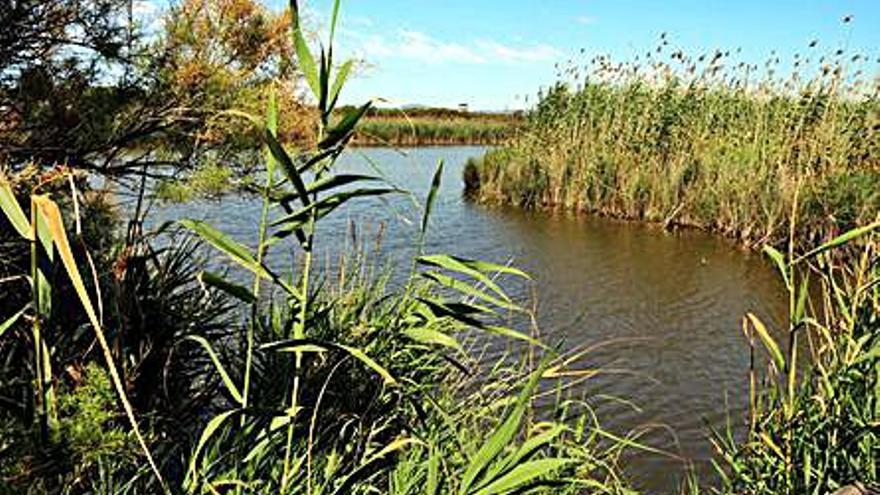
{"x":667,"y":306}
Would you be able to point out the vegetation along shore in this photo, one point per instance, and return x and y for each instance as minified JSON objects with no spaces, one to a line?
{"x":436,"y":126}
{"x":704,"y":141}
{"x":181,"y":359}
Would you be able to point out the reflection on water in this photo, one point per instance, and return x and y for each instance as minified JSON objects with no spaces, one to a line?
{"x":669,"y":306}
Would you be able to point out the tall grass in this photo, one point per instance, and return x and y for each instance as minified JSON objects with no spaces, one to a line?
{"x":334,"y":387}
{"x":324,"y":386}
{"x":814,"y":423}
{"x":704,"y":141}
{"x":431,"y":126}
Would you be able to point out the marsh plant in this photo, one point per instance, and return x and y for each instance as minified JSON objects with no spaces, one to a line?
{"x":813,"y":423}
{"x":321,"y":385}
{"x":709,"y":141}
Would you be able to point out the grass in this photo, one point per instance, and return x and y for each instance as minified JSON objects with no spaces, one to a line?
{"x":814,"y":427}
{"x":434,"y":126}
{"x":702,"y":141}
{"x":307,"y":382}
{"x":317,"y":385}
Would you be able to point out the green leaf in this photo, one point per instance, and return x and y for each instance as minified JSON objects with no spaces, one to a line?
{"x":237,"y":252}
{"x":529,"y":447}
{"x":373,"y":365}
{"x":223,"y":285}
{"x":432,"y":195}
{"x":472,"y":268}
{"x":334,"y":18}
{"x":333,"y":181}
{"x":840,"y":241}
{"x":458,"y":311}
{"x":424,"y":335}
{"x":502,"y":436}
{"x":303,"y":54}
{"x":224,"y":376}
{"x":13,"y":210}
{"x":325,"y":206}
{"x":341,"y":77}
{"x":469,"y":290}
{"x":296,"y":345}
{"x":433,"y":481}
{"x":324,"y":81}
{"x":287,"y":166}
{"x":512,"y":334}
{"x":6,"y":325}
{"x":801,"y":306}
{"x":769,"y":343}
{"x":211,"y":428}
{"x":344,"y":128}
{"x":779,"y":261}
{"x":522,"y":474}
{"x":272,"y":128}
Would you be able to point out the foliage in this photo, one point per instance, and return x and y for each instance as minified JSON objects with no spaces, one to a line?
{"x":86,"y":84}
{"x":376,"y":358}
{"x":88,"y":421}
{"x":703,"y":141}
{"x":403,"y":131}
{"x":207,"y":181}
{"x":433,"y":126}
{"x":221,"y":54}
{"x":317,"y":389}
{"x":814,"y":426}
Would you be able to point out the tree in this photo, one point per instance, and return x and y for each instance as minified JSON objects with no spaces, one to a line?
{"x":83,"y":84}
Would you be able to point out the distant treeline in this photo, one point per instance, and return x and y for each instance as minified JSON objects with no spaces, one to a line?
{"x":435,"y":126}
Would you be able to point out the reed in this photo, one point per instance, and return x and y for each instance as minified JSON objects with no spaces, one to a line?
{"x":320,"y":386}
{"x":705,"y":141}
{"x":813,"y":422}
{"x":432,"y":126}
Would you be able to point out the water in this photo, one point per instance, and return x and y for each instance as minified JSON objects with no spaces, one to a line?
{"x":669,"y":306}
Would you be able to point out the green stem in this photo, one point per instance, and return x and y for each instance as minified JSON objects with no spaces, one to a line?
{"x":299,"y":328}
{"x":261,"y":251}
{"x":42,"y":417}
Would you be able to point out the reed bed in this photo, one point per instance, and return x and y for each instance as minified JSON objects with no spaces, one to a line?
{"x":704,"y":141}
{"x":815,"y":408}
{"x":434,"y":126}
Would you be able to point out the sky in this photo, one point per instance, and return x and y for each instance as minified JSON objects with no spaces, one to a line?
{"x":496,"y":54}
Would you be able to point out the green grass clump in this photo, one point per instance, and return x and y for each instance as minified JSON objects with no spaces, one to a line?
{"x":207,"y":181}
{"x":703,"y":141}
{"x":813,"y":419}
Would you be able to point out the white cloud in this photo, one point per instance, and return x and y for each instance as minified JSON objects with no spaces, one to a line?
{"x":415,"y":45}
{"x":507,"y":53}
{"x":586,"y":20}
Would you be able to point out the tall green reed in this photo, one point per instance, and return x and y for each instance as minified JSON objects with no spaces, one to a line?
{"x":703,"y":140}
{"x":813,"y":419}
{"x":352,"y":391}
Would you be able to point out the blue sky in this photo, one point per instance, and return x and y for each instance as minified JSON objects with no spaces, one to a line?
{"x":492,"y":54}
